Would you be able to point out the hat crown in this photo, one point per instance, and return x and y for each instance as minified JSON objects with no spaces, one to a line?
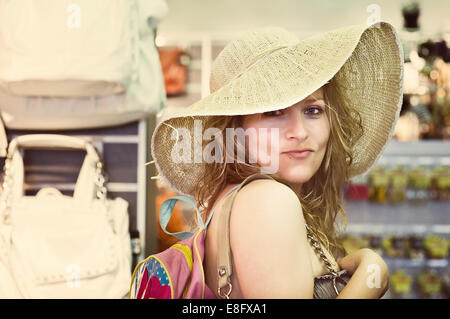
{"x":238,"y":55}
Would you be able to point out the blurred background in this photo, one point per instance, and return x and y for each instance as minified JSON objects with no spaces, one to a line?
{"x":401,"y":208}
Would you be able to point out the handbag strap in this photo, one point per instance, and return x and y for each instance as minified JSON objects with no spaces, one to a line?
{"x":90,"y":182}
{"x":224,"y":261}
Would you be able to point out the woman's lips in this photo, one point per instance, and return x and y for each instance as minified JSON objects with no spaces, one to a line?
{"x":297,"y":154}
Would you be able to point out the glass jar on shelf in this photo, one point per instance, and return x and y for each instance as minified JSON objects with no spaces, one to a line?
{"x":419,"y":182}
{"x":401,"y":284}
{"x":398,"y":182}
{"x":430,"y":284}
{"x":378,"y":185}
{"x":436,"y":247}
{"x":443,"y":184}
{"x":440,"y":183}
{"x":358,"y":188}
{"x":415,"y":247}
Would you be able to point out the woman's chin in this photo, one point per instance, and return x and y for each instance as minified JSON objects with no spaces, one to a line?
{"x":295,"y":177}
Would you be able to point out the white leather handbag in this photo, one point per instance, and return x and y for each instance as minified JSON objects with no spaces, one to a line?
{"x":57,"y":246}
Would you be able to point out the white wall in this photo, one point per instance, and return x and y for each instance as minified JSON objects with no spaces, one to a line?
{"x":226,"y":17}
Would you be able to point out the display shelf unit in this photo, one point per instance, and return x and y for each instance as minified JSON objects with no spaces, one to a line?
{"x":406,"y":218}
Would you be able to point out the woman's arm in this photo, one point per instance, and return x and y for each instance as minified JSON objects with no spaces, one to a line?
{"x":370,"y":275}
{"x":269,"y":243}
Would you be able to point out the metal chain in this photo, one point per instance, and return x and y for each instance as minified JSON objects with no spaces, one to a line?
{"x":100,"y":181}
{"x":315,"y":243}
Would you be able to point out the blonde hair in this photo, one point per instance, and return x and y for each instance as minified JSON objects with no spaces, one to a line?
{"x":321,"y":196}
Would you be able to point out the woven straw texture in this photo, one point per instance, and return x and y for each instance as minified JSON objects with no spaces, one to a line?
{"x":270,"y":68}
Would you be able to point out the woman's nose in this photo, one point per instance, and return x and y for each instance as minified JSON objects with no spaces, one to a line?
{"x":295,"y":127}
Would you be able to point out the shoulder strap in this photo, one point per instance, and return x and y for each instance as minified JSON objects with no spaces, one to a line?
{"x":223,"y":239}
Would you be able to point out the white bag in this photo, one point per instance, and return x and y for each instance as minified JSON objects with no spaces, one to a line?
{"x":106,"y":72}
{"x":56,"y":40}
{"x":83,"y":48}
{"x":57,"y":246}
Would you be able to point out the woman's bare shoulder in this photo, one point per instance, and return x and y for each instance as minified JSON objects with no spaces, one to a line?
{"x":265,"y":194}
{"x":267,"y":232}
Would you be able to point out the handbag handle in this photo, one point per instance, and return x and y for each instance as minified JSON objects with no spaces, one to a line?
{"x":89,"y":177}
{"x":224,"y":261}
{"x":53,"y":141}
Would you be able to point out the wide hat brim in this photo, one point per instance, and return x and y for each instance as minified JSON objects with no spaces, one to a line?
{"x":366,"y":61}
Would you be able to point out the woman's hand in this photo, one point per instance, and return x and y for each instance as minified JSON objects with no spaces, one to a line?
{"x":370,"y":275}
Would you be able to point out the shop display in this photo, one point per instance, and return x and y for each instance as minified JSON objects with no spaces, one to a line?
{"x":440,"y":184}
{"x":352,"y":243}
{"x":399,"y":185}
{"x":358,"y":189}
{"x":446,"y":286}
{"x":435,"y":247}
{"x":419,"y":183}
{"x":80,"y":79}
{"x":401,"y":284}
{"x":415,"y":247}
{"x":375,"y":242}
{"x":379,"y":183}
{"x":58,"y":242}
{"x":430,"y":284}
{"x":394,"y":247}
{"x":409,"y":257}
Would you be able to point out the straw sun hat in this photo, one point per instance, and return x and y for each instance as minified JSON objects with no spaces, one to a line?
{"x":268,"y":69}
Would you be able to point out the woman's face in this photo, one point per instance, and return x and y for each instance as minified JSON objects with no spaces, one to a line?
{"x":304,"y":127}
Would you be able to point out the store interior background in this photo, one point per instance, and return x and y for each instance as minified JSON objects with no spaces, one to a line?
{"x":401,"y":208}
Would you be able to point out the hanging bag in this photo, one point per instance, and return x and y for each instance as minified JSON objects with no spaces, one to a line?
{"x":77,"y":65}
{"x":58,"y":246}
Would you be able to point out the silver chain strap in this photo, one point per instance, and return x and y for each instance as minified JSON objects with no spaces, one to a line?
{"x":315,"y":243}
{"x":100,"y":181}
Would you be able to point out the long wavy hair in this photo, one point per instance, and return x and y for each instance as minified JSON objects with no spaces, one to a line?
{"x":321,"y":197}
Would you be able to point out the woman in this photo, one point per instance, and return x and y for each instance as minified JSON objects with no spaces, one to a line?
{"x":331,"y":101}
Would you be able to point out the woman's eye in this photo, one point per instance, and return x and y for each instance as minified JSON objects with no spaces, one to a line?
{"x":273,"y":113}
{"x":313,"y":110}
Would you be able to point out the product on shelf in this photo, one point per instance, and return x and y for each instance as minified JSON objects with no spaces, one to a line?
{"x":352,"y":243}
{"x":446,"y":286}
{"x":401,"y":283}
{"x":420,"y":179}
{"x":441,"y":183}
{"x":375,"y":243}
{"x":436,"y":246}
{"x":394,"y":246}
{"x":415,"y":247}
{"x":398,"y":182}
{"x":430,"y":284}
{"x":358,"y":188}
{"x":379,"y":182}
